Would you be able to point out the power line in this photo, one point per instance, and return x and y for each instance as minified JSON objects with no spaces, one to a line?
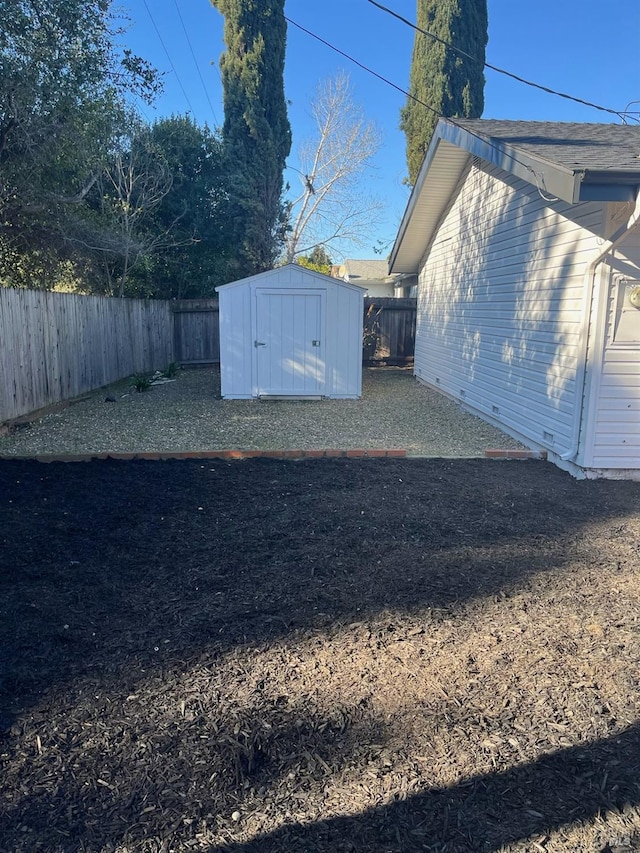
{"x":138,"y":106}
{"x":390,"y":83}
{"x":169,"y":58}
{"x":475,"y":59}
{"x":539,"y":178}
{"x":360,"y":65}
{"x":195,"y":61}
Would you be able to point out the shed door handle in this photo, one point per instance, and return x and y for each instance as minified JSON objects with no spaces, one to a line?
{"x":259,"y":344}
{"x":315,"y":343}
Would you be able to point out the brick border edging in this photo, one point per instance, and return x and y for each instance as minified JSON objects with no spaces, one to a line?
{"x":357,"y":453}
{"x":516,"y":454}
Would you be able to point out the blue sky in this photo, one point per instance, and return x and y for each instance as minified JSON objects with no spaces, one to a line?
{"x":585,"y":48}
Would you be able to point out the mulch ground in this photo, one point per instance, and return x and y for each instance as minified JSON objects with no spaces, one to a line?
{"x":374,"y":656}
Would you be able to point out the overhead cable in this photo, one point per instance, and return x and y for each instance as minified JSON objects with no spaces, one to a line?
{"x":169,"y":58}
{"x":360,"y":65}
{"x":620,"y":114}
{"x":195,"y":61}
{"x":539,"y":178}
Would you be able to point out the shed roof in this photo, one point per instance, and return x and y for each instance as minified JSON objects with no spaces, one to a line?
{"x":571,"y":162}
{"x":290,"y":271}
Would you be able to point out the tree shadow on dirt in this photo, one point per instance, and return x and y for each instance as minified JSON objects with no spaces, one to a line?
{"x":486,"y":813}
{"x":110,"y":569}
{"x":118,"y":574}
{"x":159,"y":799}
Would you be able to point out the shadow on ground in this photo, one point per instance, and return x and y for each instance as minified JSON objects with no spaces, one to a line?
{"x":118,"y":575}
{"x":486,"y":813}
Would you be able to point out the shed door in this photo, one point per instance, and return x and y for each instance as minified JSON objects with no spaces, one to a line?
{"x":289,"y":343}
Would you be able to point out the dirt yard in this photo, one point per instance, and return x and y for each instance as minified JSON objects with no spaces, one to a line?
{"x":376,"y":656}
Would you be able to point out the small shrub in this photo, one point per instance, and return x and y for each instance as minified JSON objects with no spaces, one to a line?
{"x":172,"y":369}
{"x":141,"y":383}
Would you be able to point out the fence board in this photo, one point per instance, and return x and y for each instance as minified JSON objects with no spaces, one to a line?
{"x":196,"y":331}
{"x":55,"y":346}
{"x":393,"y":321}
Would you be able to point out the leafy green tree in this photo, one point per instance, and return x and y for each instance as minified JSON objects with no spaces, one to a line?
{"x":256,"y":132}
{"x":448,"y":82}
{"x":318,"y":260}
{"x":192,"y":221}
{"x":62,"y":96}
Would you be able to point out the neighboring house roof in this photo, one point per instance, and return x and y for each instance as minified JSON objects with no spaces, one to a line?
{"x":368,"y":270}
{"x":367,"y":273}
{"x":570,"y":162}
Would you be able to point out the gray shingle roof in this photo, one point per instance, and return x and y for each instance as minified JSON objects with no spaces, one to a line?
{"x":566,"y":162}
{"x":593,"y":147}
{"x":367,"y":270}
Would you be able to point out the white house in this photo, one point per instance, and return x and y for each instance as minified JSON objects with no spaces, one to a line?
{"x":290,"y":332}
{"x":374,"y":276}
{"x":526,"y":240}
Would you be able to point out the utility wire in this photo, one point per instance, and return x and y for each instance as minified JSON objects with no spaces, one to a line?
{"x":539,"y":178}
{"x":475,"y":59}
{"x":195,"y":61}
{"x":394,"y":85}
{"x":360,"y":65}
{"x":141,"y":109}
{"x":169,"y":58}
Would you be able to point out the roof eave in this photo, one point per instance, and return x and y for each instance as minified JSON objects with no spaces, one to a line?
{"x":551,"y":179}
{"x":443,"y":165}
{"x":441,"y":171}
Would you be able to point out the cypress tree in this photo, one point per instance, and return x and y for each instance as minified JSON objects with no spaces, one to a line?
{"x":256,"y":133}
{"x":451,"y":84}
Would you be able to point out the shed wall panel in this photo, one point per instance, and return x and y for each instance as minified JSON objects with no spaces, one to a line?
{"x":500,"y":304}
{"x":345,"y":374}
{"x":340,"y":334}
{"x":236,"y":342}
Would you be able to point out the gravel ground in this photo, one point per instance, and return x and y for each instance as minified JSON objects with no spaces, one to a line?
{"x":187,"y":414}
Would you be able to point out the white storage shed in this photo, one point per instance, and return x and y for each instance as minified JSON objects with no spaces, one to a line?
{"x":291,"y":332}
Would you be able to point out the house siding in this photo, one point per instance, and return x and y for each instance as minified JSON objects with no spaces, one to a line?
{"x":612,"y":439}
{"x":500,"y":304}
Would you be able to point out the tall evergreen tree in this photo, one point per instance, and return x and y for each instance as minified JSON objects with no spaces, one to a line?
{"x":451,"y":84}
{"x":256,"y":133}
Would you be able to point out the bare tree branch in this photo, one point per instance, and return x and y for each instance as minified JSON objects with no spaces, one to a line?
{"x":132,"y":187}
{"x":331,"y":208}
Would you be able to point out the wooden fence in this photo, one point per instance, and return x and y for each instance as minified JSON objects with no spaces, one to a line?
{"x":389,"y":330}
{"x":388,"y":322}
{"x":196,"y":333}
{"x":56,"y":346}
